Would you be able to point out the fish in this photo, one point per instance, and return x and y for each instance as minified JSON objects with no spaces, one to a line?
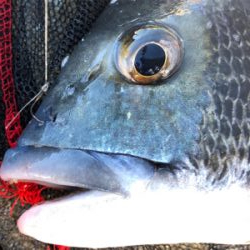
{"x":149,"y":121}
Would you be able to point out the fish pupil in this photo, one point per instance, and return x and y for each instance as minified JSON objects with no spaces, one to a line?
{"x":150,"y":59}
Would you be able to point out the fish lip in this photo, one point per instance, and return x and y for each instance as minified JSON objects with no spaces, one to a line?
{"x":52,"y":167}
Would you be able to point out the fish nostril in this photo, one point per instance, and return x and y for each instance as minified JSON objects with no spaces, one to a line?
{"x":92,"y":74}
{"x":54,"y":117}
{"x":70,"y":90}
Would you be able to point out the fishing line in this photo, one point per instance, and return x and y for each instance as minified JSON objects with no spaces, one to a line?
{"x":46,"y":38}
{"x":45,"y":87}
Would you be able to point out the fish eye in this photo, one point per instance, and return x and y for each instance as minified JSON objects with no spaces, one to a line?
{"x":148,"y":54}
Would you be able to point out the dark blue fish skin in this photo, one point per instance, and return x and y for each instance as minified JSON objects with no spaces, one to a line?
{"x":195,"y":123}
{"x":158,"y":123}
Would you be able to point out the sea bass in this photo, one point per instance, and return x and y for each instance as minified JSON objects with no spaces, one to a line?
{"x":150,"y":120}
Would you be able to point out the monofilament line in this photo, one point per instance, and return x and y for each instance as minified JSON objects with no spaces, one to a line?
{"x":45,"y":87}
{"x":46,"y":37}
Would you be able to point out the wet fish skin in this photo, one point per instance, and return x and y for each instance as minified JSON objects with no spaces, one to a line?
{"x":193,"y":127}
{"x":53,"y":167}
{"x":201,"y":113}
{"x":111,"y":131}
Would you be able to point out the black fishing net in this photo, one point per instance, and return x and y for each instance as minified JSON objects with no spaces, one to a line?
{"x":68,"y":22}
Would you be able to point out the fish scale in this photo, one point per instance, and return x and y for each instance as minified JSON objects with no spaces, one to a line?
{"x":225,"y":128}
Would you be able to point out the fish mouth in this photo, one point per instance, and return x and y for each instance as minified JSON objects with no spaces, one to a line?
{"x":92,"y":177}
{"x":67,"y":168}
{"x":122,"y":201}
{"x":89,"y":174}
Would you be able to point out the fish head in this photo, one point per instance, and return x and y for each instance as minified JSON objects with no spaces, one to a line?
{"x":151,"y":108}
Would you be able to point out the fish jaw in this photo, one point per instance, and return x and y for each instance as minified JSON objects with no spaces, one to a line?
{"x":164,"y":216}
{"x":62,"y":168}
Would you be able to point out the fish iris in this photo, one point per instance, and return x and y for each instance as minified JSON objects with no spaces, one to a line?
{"x":150,"y":59}
{"x":148,"y":53}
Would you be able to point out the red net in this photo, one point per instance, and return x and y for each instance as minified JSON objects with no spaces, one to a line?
{"x":25,"y":193}
{"x":57,"y":247}
{"x":6,"y":76}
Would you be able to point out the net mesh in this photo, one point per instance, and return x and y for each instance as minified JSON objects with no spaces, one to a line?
{"x":68,"y":22}
{"x":8,"y":106}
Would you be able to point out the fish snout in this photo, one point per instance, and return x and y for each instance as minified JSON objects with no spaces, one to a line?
{"x":75,"y":168}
